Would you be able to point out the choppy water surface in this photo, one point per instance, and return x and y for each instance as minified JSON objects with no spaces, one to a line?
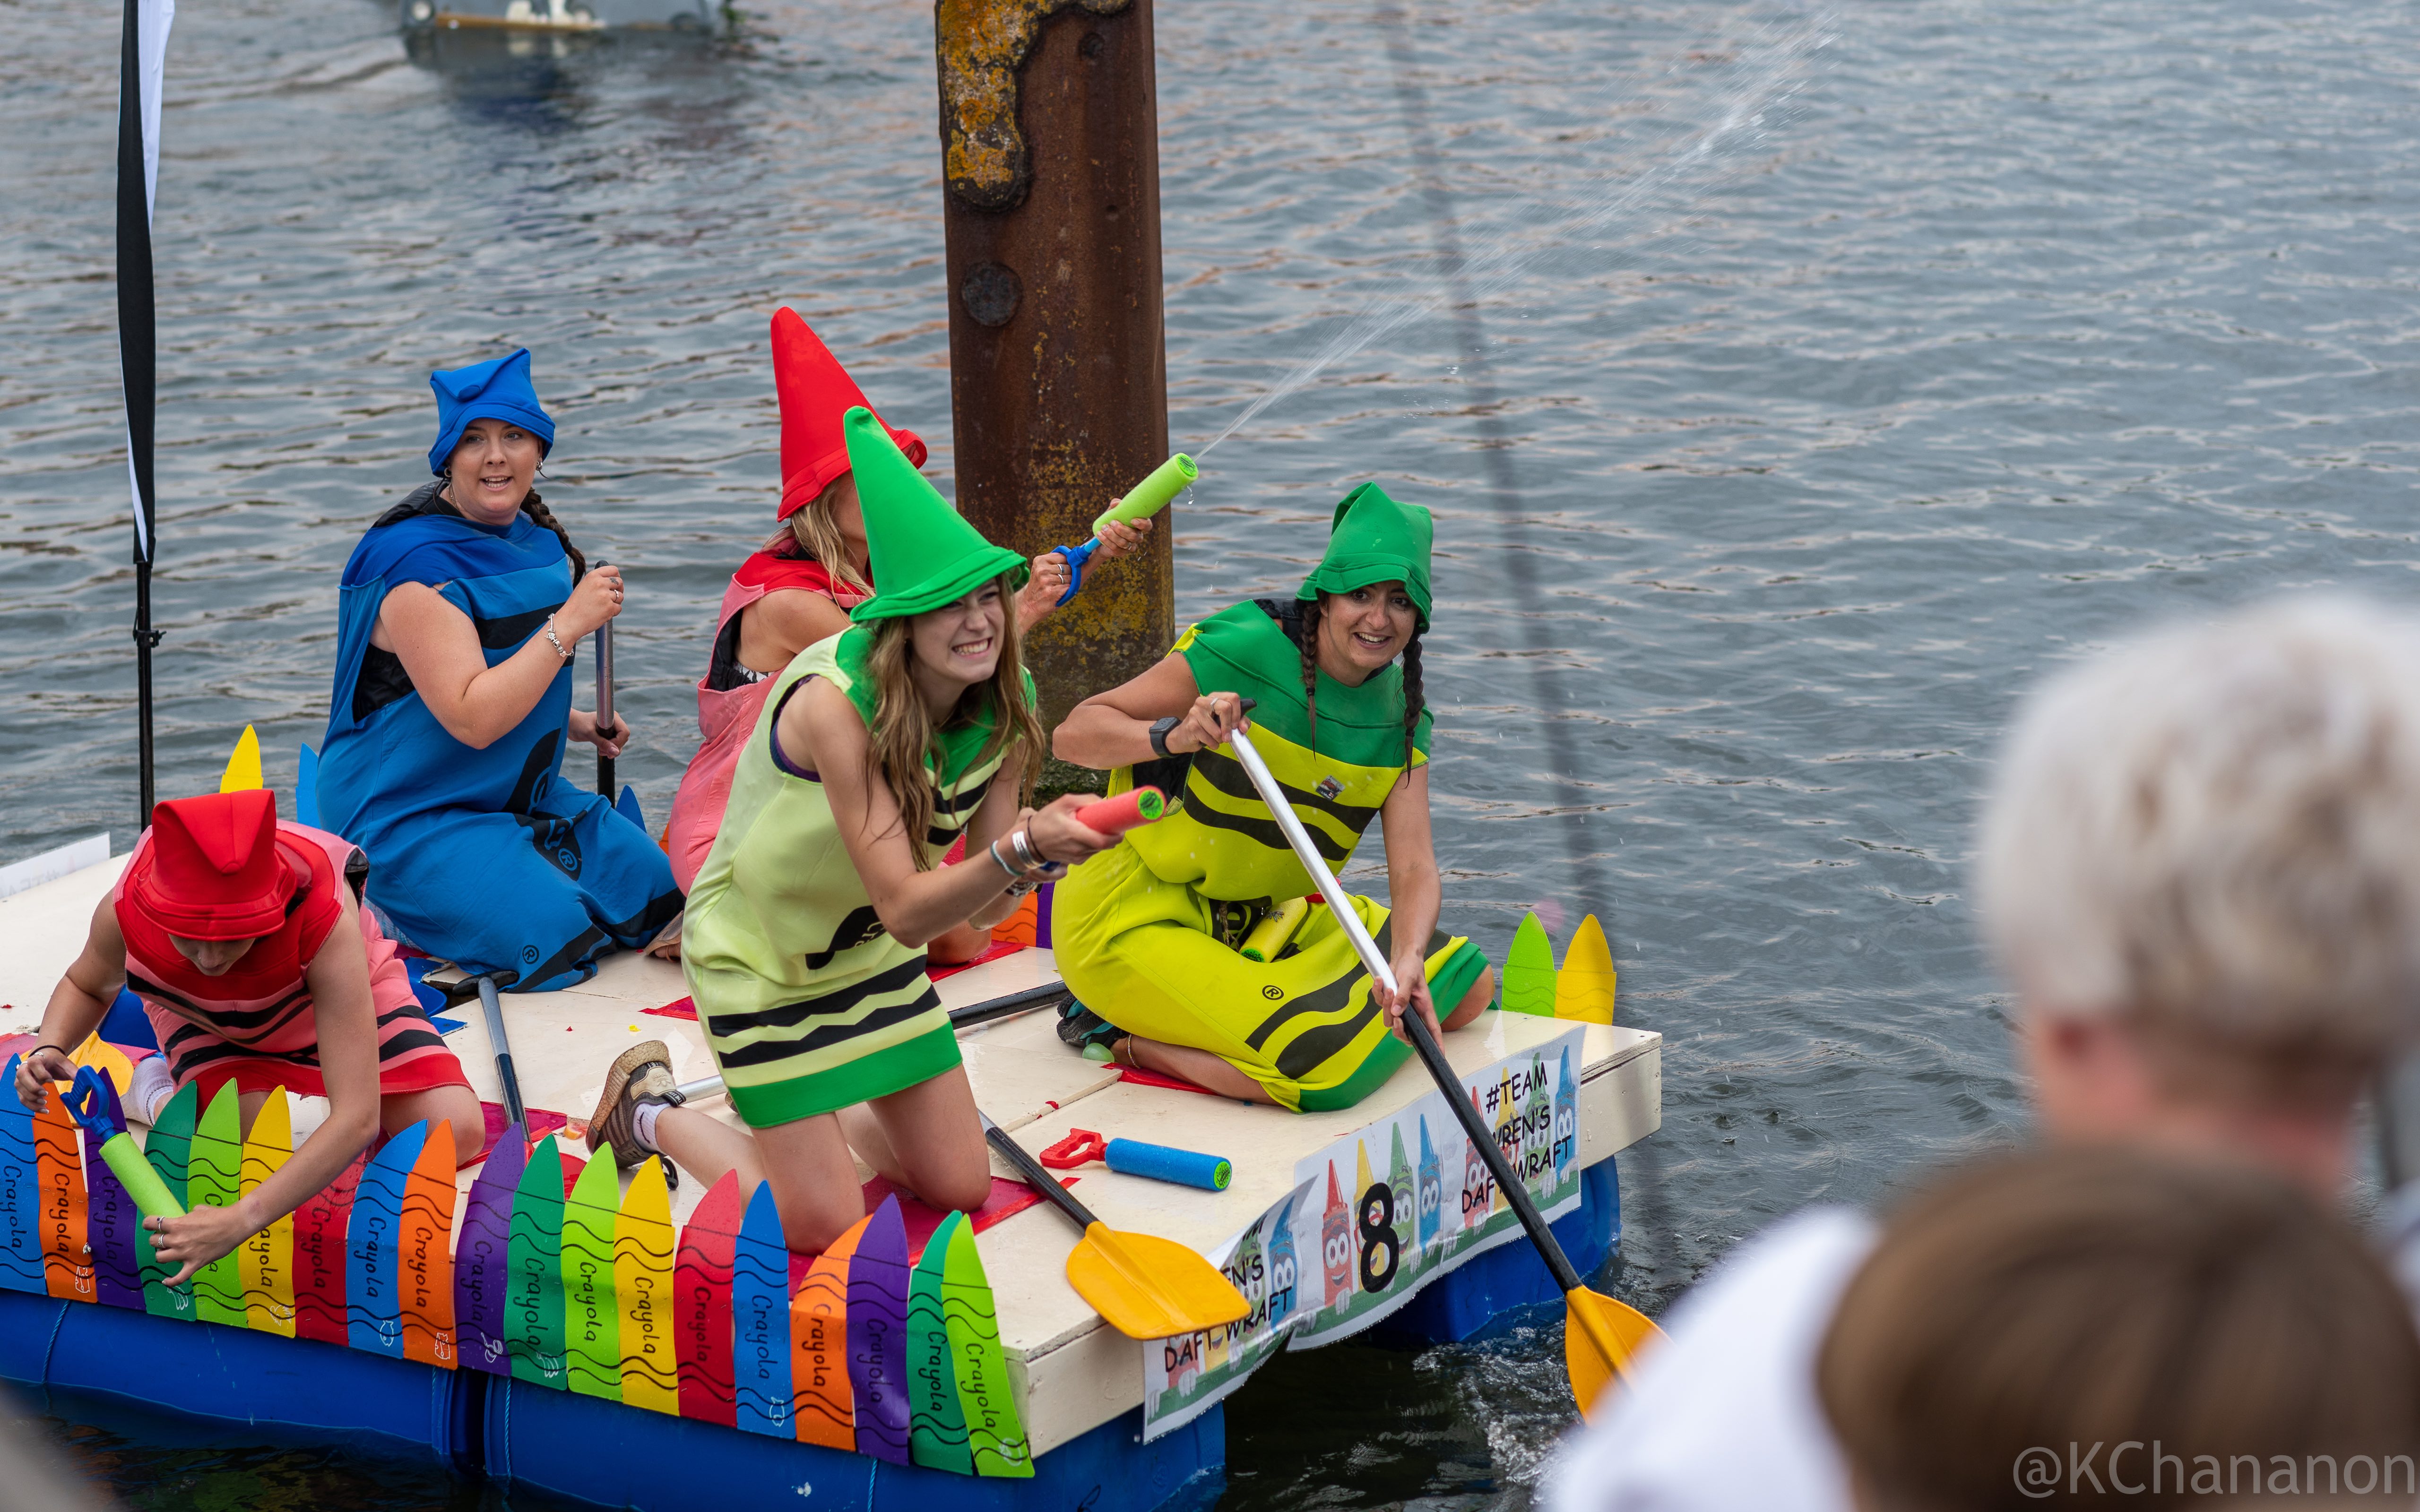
{"x":1829,"y":377}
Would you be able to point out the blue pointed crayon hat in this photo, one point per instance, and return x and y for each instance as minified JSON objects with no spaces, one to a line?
{"x":924,"y":553}
{"x":1373,"y":539}
{"x":498,"y":389}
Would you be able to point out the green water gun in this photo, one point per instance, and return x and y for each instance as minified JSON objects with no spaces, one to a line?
{"x":1144,"y":500}
{"x":92,"y":1099}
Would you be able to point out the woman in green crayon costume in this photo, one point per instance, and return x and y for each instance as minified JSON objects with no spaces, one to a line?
{"x":1148,"y":937}
{"x":805,"y":937}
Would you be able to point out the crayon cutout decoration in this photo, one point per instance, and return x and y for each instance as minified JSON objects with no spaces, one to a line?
{"x":106,"y":1059}
{"x":878,"y":1334}
{"x":213,"y":1178}
{"x":425,"y":1261}
{"x":482,"y":1257}
{"x":243,"y":774}
{"x":760,"y":1319}
{"x":168,"y":1152}
{"x":1567,"y":1120}
{"x":265,"y":1261}
{"x":113,"y":1222}
{"x":21,"y":1242}
{"x":59,"y":1162}
{"x":642,"y":1282}
{"x":1584,"y":989}
{"x":819,"y":1387}
{"x":319,"y":1226}
{"x":702,"y":1308}
{"x":1529,"y":975}
{"x":937,"y":1425}
{"x":533,"y":1298}
{"x":592,"y":1320}
{"x":995,"y":1430}
{"x":373,"y":1249}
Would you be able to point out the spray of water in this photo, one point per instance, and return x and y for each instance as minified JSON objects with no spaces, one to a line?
{"x":1617,"y":213}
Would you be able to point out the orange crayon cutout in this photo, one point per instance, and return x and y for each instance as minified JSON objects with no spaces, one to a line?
{"x":58,"y":1165}
{"x":1024,"y":927}
{"x":265,"y":1261}
{"x":425,"y":1268}
{"x":826,"y":1411}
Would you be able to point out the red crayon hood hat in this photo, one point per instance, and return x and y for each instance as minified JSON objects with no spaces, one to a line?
{"x":214,"y":873}
{"x":816,"y":392}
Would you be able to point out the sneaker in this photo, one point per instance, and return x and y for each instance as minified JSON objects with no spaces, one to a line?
{"x":1081,"y":1029}
{"x":641,"y":1074}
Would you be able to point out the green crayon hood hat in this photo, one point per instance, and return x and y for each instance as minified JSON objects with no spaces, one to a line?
{"x":924,"y":553}
{"x":1375,"y":540}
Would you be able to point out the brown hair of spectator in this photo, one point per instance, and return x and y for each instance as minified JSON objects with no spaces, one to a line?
{"x":2211,"y":1329}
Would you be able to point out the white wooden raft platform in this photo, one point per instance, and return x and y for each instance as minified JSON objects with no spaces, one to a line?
{"x":1076,"y":1372}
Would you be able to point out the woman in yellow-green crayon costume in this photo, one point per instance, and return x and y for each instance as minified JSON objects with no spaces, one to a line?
{"x":1152,"y":937}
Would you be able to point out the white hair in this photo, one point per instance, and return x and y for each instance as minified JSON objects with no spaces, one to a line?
{"x":2219,"y":826}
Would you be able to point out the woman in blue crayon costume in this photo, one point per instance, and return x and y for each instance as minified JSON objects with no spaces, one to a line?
{"x":459,"y":617}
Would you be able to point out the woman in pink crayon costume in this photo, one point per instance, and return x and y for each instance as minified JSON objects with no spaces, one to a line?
{"x":256,"y":965}
{"x":798,"y":588}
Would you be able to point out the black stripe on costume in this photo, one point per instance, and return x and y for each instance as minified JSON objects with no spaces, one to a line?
{"x":218,"y":1049}
{"x":410,"y":1039}
{"x":510,"y":629}
{"x":1266,"y":831}
{"x":964,"y":801}
{"x":765,"y":1052}
{"x":1326,"y":1000}
{"x":255,"y":1024}
{"x":790,"y":1015}
{"x":1226,"y":775}
{"x":862,"y":926}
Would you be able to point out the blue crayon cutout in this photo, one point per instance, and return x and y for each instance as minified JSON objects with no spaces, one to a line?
{"x":373,"y":1284}
{"x":760,"y":1319}
{"x":21,"y":1233}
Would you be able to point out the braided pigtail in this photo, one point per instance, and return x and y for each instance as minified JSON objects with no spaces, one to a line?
{"x":544,"y":519}
{"x":1310,"y":667}
{"x":1415,"y":698}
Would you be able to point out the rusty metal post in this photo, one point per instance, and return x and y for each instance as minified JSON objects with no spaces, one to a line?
{"x":1058,"y":369}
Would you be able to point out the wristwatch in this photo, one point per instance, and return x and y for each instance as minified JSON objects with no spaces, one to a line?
{"x":1159,"y":731}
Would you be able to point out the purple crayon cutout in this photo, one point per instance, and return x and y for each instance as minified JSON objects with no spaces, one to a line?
{"x":111,"y":1223}
{"x":878,"y":1334}
{"x":482,"y":1264}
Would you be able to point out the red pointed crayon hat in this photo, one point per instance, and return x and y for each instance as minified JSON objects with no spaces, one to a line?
{"x":816,"y":392}
{"x":214,"y":872}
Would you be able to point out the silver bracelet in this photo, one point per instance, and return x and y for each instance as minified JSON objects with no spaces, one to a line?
{"x":552,"y":641}
{"x":1024,"y":847}
{"x":1013,"y":874}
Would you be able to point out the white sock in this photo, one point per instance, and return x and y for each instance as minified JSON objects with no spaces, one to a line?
{"x":151,"y":1088}
{"x":642,"y":1124}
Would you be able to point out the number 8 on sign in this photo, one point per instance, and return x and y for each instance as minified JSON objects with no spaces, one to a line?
{"x":1381,"y":1250}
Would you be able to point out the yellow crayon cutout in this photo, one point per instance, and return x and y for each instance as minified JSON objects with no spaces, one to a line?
{"x":1584,"y":988}
{"x":642,"y":1282}
{"x":243,"y":774}
{"x":265,"y":1261}
{"x":106,"y":1059}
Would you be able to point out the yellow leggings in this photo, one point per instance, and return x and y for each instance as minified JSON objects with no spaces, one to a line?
{"x":1140,"y":953}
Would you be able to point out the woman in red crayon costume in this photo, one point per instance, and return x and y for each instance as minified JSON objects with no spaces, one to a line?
{"x":245,"y":940}
{"x":798,"y":587}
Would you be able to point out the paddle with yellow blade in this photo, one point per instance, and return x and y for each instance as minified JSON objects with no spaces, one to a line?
{"x":1600,"y":1334}
{"x":1146,"y":1286}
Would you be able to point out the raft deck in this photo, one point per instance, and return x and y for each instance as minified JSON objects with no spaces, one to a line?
{"x":1072,"y":1373}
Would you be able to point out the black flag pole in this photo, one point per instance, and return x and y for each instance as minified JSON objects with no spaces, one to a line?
{"x":138,"y":356}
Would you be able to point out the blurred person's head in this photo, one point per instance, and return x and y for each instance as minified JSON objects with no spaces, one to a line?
{"x":2200,"y":867}
{"x":2185,"y":1329}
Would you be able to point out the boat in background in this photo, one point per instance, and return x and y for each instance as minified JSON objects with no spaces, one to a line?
{"x":696,"y":17}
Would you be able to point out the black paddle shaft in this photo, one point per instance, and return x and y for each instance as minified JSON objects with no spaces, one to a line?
{"x":510,"y":1085}
{"x":1038,"y":1177}
{"x":1507,"y":1179}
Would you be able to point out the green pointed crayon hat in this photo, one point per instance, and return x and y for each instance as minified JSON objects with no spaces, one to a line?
{"x":1375,"y":540}
{"x":924,"y":553}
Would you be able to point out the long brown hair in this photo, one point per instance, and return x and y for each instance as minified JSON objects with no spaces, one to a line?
{"x":903,"y":737}
{"x":810,"y":532}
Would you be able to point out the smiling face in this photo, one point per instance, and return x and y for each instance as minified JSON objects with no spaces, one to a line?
{"x":491,"y":469}
{"x":1362,"y":629}
{"x":211,"y":957}
{"x":959,"y":644}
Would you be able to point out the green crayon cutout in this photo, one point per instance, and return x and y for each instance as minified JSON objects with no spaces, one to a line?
{"x":534,"y":1292}
{"x":167,"y":1152}
{"x":1529,"y":970}
{"x":995,"y":1432}
{"x":213,"y":1179}
{"x":936,"y":1434}
{"x":1151,"y":496}
{"x":592,"y":1316}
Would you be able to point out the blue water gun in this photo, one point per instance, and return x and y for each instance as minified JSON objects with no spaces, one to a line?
{"x":1146,"y":499}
